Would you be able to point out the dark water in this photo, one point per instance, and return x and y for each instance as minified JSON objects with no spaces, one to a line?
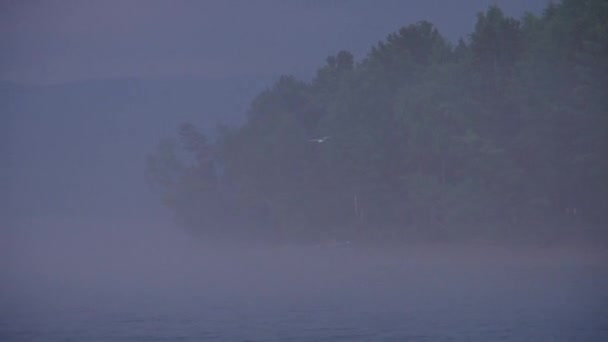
{"x":108,"y":287}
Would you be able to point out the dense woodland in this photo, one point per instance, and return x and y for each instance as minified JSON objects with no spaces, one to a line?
{"x":502,"y":135}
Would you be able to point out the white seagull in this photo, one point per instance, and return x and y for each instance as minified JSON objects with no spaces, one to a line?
{"x":319,"y":140}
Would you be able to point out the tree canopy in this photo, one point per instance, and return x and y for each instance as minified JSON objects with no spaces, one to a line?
{"x":504,"y":134}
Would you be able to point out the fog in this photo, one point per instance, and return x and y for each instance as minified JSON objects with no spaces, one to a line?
{"x":54,"y":41}
{"x":130,"y":281}
{"x":162,"y":179}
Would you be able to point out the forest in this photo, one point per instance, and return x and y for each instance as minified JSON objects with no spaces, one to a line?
{"x":502,"y":135}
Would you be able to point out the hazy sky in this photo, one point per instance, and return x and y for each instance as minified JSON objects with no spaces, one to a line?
{"x":55,"y":41}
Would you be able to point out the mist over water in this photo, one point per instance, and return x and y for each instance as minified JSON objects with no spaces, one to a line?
{"x":304,"y":171}
{"x":76,"y":280}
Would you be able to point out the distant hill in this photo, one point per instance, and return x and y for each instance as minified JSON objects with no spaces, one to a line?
{"x":77,"y":149}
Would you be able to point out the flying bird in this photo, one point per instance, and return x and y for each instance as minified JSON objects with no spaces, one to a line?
{"x":319,"y":140}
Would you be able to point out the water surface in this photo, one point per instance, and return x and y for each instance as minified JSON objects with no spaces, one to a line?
{"x":120,"y":283}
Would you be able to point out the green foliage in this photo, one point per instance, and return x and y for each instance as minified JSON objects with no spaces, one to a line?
{"x":425,"y":139}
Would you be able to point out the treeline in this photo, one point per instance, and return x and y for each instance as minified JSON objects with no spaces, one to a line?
{"x":504,"y":134}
